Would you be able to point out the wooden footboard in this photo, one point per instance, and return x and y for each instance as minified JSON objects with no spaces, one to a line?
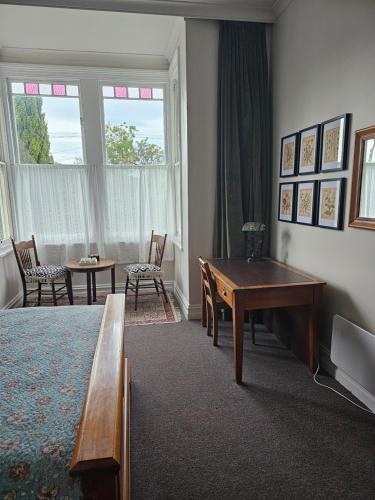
{"x":101,"y":452}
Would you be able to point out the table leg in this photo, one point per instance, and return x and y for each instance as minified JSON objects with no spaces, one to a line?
{"x":113,"y":279}
{"x":313,"y":331}
{"x":203,"y":305}
{"x":93,"y":286}
{"x":88,"y":275}
{"x":238,"y":318}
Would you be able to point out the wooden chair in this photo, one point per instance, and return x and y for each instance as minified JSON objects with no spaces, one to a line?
{"x":214,"y":303}
{"x":148,"y":272}
{"x":33,"y":272}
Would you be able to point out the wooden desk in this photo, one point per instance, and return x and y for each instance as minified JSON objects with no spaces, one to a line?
{"x":73,"y":266}
{"x":265,"y":284}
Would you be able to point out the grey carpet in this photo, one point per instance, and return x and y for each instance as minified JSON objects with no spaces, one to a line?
{"x":197,"y":435}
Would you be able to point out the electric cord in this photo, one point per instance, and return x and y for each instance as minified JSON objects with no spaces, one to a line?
{"x":339,"y":393}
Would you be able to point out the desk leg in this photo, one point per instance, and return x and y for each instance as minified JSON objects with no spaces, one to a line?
{"x":313,"y":331}
{"x":88,"y":277}
{"x":238,"y":318}
{"x":203,"y":305}
{"x":93,"y":286}
{"x":113,"y":279}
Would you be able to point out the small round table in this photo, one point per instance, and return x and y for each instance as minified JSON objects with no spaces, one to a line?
{"x":73,"y":266}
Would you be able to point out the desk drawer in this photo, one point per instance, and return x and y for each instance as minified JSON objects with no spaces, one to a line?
{"x":224,"y":291}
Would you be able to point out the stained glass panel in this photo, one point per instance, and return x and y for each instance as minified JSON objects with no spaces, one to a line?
{"x":32,"y":88}
{"x":145,"y":93}
{"x":72,"y":90}
{"x":58,"y":89}
{"x":121,"y":92}
{"x":133,"y":92}
{"x":108,"y":91}
{"x":18,"y":88}
{"x":157,"y":93}
{"x":45,"y":89}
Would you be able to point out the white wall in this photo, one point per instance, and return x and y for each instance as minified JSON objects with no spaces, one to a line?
{"x":199,"y":155}
{"x":10,"y":282}
{"x":323,"y":66}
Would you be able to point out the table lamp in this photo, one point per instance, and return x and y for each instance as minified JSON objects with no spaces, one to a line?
{"x":254,"y":239}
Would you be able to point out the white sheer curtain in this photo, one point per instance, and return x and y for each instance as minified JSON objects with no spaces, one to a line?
{"x":76,"y":210}
{"x":367,"y":203}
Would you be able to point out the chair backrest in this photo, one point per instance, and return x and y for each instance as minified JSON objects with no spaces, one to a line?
{"x":207,"y":279}
{"x":25,"y":252}
{"x":159,"y":242}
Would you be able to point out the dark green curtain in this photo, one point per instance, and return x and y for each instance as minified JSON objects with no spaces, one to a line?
{"x":244,"y":136}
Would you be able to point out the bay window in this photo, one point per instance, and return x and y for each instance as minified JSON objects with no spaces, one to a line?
{"x":89,"y":159}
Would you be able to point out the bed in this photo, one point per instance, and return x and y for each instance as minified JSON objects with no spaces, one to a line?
{"x":64,"y":403}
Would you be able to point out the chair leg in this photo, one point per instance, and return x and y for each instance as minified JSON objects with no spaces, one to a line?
{"x":164,"y":292}
{"x":215,"y":324}
{"x":136,"y":295}
{"x":156,"y":286}
{"x":39,"y":293}
{"x":126,"y":285}
{"x":252,"y":326}
{"x":24,"y":301}
{"x":69,"y":287}
{"x":54,"y":294}
{"x":209,"y":318}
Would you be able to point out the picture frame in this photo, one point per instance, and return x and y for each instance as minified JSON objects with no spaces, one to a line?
{"x":289,"y":155}
{"x":334,"y":144}
{"x":309,"y":150}
{"x":306,"y":196}
{"x":330,"y":213}
{"x":286,"y":210}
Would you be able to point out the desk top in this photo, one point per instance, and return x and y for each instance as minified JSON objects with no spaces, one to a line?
{"x":265,"y":273}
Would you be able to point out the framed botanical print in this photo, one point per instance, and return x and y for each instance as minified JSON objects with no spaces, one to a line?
{"x":308,"y":157}
{"x":289,"y":155}
{"x":286,"y":201}
{"x":306,"y":202}
{"x":331,"y":203}
{"x":334,"y":144}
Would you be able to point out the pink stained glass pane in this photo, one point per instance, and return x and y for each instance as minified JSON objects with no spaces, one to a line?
{"x":32,"y":88}
{"x":146,"y":93}
{"x":58,"y":89}
{"x":121,"y":92}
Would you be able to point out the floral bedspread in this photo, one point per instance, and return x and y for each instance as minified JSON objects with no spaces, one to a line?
{"x":45,"y":363}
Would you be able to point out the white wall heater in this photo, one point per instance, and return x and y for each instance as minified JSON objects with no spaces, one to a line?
{"x":353,"y":353}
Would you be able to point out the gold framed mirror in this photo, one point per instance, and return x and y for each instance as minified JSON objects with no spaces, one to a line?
{"x":362,"y":203}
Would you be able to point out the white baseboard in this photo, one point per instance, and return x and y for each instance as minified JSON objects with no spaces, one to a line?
{"x":190,"y":311}
{"x":15,"y":302}
{"x":345,"y":380}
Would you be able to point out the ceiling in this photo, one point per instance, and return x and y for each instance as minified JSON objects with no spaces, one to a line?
{"x":246,"y":10}
{"x":40,"y":35}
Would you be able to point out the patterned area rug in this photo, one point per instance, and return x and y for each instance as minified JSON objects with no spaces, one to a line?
{"x":151,"y":308}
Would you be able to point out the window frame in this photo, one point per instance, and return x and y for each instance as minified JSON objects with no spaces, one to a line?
{"x":14,"y":144}
{"x":89,"y":80}
{"x":82,"y":75}
{"x":134,"y":83}
{"x":176,"y":152}
{"x":5,"y":209}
